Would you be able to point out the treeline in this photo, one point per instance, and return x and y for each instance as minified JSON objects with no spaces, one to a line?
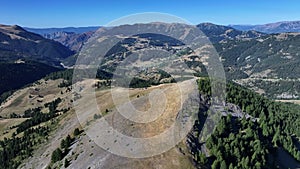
{"x":137,"y":82}
{"x":103,"y":84}
{"x":271,"y":53}
{"x":123,"y":81}
{"x":16,"y":149}
{"x":20,"y":147}
{"x":59,"y":153}
{"x":37,"y":117}
{"x":14,"y":76}
{"x":67,"y":75}
{"x":5,"y":95}
{"x":244,"y":143}
{"x":273,"y":89}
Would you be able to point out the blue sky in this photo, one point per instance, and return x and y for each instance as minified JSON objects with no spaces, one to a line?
{"x":62,"y":13}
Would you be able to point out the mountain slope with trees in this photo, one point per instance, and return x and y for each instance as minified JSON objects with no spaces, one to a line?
{"x":218,"y":33}
{"x":16,"y":43}
{"x":26,"y":57}
{"x":245,"y":143}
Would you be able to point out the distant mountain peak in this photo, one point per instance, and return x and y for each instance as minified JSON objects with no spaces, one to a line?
{"x":217,"y":33}
{"x":11,"y":28}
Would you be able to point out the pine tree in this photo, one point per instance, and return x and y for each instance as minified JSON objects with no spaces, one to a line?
{"x":57,"y":155}
{"x":76,"y":132}
{"x":67,"y":163}
{"x":223,"y":165}
{"x":215,"y":165}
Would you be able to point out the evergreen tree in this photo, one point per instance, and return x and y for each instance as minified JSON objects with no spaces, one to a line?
{"x":57,"y":155}
{"x":76,"y":132}
{"x":223,"y":165}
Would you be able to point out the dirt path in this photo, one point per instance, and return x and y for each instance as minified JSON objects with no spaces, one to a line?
{"x":290,"y":101}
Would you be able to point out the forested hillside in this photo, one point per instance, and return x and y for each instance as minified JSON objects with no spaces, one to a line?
{"x":16,"y":43}
{"x":15,"y":75}
{"x":247,"y":143}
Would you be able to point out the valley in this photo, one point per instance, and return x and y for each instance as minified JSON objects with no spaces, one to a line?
{"x":50,"y":118}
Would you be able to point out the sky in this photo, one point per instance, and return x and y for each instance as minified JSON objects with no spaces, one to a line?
{"x":64,"y":13}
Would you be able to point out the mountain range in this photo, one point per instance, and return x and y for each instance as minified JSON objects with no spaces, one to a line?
{"x":40,"y":126}
{"x":277,"y":56}
{"x":40,"y":129}
{"x":218,"y":33}
{"x":74,"y":41}
{"x":278,"y":27}
{"x":17,"y":43}
{"x":74,"y":37}
{"x":71,"y":37}
{"x":26,"y":57}
{"x":43,"y":31}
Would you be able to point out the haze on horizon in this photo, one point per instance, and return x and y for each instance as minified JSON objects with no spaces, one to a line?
{"x":45,"y":14}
